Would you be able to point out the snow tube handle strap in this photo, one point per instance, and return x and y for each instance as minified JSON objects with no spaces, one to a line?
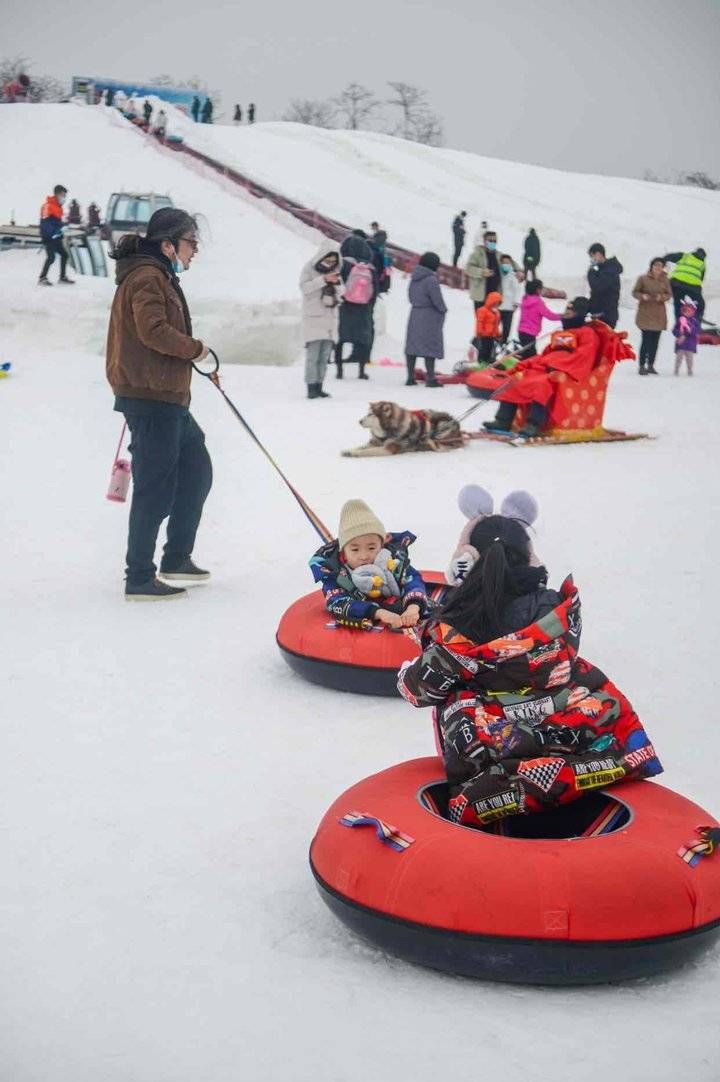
{"x":706,"y":843}
{"x":211,"y":371}
{"x":387,"y":834}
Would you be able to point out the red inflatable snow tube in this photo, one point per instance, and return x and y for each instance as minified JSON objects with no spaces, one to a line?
{"x":365,"y":662}
{"x":623,"y":883}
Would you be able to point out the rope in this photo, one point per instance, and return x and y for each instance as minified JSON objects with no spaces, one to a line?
{"x":122,"y":437}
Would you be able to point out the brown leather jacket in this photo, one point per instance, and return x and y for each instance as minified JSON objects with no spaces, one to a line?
{"x":150,"y":343}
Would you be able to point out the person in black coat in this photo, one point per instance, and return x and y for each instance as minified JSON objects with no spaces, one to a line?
{"x":458,"y":228}
{"x":251,"y":113}
{"x":206,"y":113}
{"x":531,"y":254}
{"x":195,"y":108}
{"x":147,"y":112}
{"x":237,"y":115}
{"x":356,"y":320}
{"x":604,"y":281}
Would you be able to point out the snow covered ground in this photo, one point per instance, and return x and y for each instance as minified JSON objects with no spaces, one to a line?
{"x":163,"y":771}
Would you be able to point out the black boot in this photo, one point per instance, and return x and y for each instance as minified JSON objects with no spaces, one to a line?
{"x":313,"y":390}
{"x":321,"y":393}
{"x":642,"y":371}
{"x":185,"y":571}
{"x":361,"y":373}
{"x":410,"y":362}
{"x":153,"y":590}
{"x":430,"y":380}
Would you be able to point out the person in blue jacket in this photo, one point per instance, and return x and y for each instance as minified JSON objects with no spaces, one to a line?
{"x":51,"y":234}
{"x":366,"y":574}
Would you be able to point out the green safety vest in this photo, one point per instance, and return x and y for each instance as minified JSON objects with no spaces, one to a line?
{"x":689,"y":270}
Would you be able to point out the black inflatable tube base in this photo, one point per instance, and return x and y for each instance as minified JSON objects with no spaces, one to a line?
{"x":339,"y":676}
{"x":515,"y":960}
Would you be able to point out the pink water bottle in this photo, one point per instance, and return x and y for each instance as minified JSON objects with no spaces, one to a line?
{"x":119,"y":475}
{"x":119,"y":480}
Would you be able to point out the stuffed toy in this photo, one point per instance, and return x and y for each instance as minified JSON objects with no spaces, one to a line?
{"x":476,"y":503}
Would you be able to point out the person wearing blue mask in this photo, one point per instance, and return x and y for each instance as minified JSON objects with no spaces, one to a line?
{"x":483,"y":269}
{"x":150,"y":350}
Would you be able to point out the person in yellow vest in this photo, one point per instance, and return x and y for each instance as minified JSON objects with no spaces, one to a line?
{"x":687,"y":278}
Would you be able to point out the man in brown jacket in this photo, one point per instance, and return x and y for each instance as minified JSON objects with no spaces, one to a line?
{"x":150,"y":348}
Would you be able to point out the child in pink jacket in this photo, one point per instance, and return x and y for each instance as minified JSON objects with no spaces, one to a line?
{"x":532,"y":312}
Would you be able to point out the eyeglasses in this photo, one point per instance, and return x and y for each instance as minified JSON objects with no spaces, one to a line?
{"x":192,"y":241}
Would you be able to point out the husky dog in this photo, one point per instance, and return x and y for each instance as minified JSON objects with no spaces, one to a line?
{"x":394,"y":429}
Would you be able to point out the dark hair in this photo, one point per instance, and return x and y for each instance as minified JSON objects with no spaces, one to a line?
{"x":430,"y":260}
{"x":374,"y":223}
{"x":596,"y":249}
{"x":656,"y":259}
{"x":489,"y":233}
{"x":59,"y":189}
{"x":475,"y":608}
{"x":533,"y":286}
{"x":167,"y":223}
{"x":700,"y":253}
{"x":359,"y":233}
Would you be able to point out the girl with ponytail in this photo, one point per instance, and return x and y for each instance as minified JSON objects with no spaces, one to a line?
{"x":522,"y":722}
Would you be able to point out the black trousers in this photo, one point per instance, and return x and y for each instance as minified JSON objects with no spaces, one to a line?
{"x":53,"y":248}
{"x":680,"y":290}
{"x":506,"y":319}
{"x":172,"y":475}
{"x":527,"y":343}
{"x":360,"y":355}
{"x":536,"y":415}
{"x":648,"y":348}
{"x":459,"y":244}
{"x":486,"y":350}
{"x":530,"y":267}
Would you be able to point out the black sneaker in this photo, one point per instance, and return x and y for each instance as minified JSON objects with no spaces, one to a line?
{"x":642,"y":370}
{"x":494,"y":426}
{"x":184,"y":572}
{"x":44,"y":282}
{"x":432,"y":383}
{"x":153,"y":590}
{"x":67,"y":281}
{"x":529,"y":432}
{"x":321,"y":393}
{"x":652,"y":371}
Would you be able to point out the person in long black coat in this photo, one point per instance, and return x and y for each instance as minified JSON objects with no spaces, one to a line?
{"x":195,"y":108}
{"x":458,"y":228}
{"x":604,"y":281}
{"x":531,"y":255}
{"x":356,"y":323}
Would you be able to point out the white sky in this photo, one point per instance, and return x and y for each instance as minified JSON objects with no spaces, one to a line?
{"x":610,"y":86}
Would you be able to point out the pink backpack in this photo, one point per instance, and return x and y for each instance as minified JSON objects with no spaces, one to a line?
{"x":359,"y":286}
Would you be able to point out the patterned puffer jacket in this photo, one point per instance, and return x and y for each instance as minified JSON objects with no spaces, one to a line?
{"x":523,"y":721}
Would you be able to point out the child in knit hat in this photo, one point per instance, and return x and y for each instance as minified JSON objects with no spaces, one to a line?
{"x":366,"y":574}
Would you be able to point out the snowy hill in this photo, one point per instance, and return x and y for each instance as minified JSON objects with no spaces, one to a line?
{"x":243,"y":288}
{"x":415,"y":191}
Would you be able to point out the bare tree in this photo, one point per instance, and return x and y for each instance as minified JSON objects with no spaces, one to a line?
{"x":418,"y":122}
{"x":320,"y":114}
{"x":700,"y":179}
{"x":356,"y":104}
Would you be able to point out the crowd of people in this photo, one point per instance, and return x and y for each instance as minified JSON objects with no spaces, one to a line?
{"x":341,"y":284}
{"x":499,"y":636}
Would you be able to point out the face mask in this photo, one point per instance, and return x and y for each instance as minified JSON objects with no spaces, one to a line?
{"x":61,"y":199}
{"x":505,"y":268}
{"x":178,"y":267}
{"x":491,"y":245}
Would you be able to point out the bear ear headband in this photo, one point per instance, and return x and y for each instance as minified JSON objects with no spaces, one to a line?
{"x":475,"y":501}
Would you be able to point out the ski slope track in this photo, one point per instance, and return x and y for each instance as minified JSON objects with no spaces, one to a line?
{"x":162,"y":771}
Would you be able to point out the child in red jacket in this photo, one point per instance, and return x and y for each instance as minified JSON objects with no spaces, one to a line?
{"x":487,"y":328}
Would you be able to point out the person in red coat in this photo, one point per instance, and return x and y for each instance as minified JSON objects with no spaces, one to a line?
{"x":573,"y":350}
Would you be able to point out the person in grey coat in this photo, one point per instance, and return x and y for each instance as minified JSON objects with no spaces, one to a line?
{"x":320,"y":288}
{"x":425,"y":326}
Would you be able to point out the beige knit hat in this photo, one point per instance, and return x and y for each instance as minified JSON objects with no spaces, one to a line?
{"x":357,"y":519}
